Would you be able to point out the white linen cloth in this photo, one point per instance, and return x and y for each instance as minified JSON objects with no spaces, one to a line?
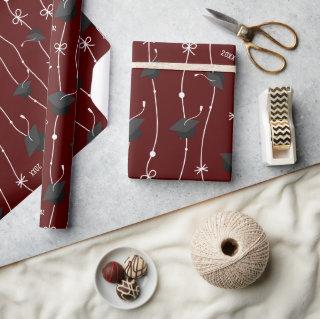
{"x":60,"y":284}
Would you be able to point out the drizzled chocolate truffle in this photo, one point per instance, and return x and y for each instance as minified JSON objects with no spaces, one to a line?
{"x":128,"y":289}
{"x":113,"y":272}
{"x":135,"y":266}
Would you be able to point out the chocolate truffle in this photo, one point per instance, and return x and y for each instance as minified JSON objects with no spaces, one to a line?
{"x":113,"y":272}
{"x":135,"y":266}
{"x":128,"y":289}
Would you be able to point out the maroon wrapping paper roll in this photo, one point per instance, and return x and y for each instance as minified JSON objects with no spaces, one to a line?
{"x":61,"y":113}
{"x":25,"y":44}
{"x":181,"y":122}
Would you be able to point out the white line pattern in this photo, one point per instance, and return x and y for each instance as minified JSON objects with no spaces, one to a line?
{"x":18,"y":19}
{"x":203,"y":167}
{"x":188,"y":48}
{"x":11,"y":122}
{"x":5,"y":199}
{"x":152,"y":173}
{"x":12,"y":168}
{"x":16,"y":82}
{"x":23,"y":62}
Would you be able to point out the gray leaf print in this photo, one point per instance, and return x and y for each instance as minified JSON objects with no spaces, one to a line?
{"x":35,"y":141}
{"x":35,"y":35}
{"x":216,"y":79}
{"x":227,"y":161}
{"x":23,"y":89}
{"x":66,"y":10}
{"x":150,"y":73}
{"x":134,"y":129}
{"x":185,"y":128}
{"x":60,"y":102}
{"x":94,"y":133}
{"x":55,"y":193}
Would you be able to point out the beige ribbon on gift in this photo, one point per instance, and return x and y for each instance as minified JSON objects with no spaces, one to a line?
{"x":184,"y":66}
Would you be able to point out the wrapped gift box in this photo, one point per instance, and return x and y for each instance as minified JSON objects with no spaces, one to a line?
{"x":181,"y":112}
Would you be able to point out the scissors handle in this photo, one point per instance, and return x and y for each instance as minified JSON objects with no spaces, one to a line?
{"x":259,"y":29}
{"x":247,"y":34}
{"x":251,"y":47}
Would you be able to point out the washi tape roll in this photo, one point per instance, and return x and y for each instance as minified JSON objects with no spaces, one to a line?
{"x":279,"y":118}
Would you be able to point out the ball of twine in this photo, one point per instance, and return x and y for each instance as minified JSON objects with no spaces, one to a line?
{"x":230,"y":250}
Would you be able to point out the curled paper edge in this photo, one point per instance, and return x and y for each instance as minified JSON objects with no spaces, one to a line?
{"x":100,"y":93}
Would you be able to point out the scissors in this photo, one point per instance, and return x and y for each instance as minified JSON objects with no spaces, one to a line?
{"x":247,"y":34}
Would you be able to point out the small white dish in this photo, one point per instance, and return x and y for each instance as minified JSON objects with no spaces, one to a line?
{"x":147,"y":283}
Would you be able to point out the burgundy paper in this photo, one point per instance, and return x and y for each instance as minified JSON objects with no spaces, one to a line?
{"x":181,"y":122}
{"x":25,"y":28}
{"x":61,"y":113}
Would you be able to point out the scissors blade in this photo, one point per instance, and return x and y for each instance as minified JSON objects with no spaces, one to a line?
{"x":224,"y":21}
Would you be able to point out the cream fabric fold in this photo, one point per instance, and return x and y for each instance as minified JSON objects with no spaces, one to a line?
{"x":184,"y":66}
{"x":60,"y":285}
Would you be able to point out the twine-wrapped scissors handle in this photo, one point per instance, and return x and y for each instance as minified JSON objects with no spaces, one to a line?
{"x":247,"y":34}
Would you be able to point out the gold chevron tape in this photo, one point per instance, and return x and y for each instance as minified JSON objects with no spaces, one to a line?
{"x":279,"y":118}
{"x":280,"y":135}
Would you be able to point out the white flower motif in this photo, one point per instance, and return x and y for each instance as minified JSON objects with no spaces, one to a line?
{"x":151,"y":174}
{"x":21,"y":181}
{"x":199,"y":169}
{"x":85,"y":44}
{"x":189,"y":47}
{"x":231,"y":116}
{"x":46,"y":12}
{"x":60,"y":47}
{"x":17,"y":18}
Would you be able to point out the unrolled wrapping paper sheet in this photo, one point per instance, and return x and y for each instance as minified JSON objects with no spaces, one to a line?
{"x":38,"y":39}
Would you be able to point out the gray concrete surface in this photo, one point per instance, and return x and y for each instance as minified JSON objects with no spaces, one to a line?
{"x":103,"y":198}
